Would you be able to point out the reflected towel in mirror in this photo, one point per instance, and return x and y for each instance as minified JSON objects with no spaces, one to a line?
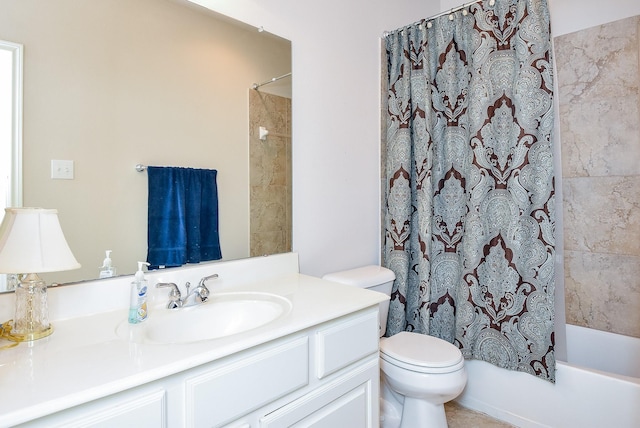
{"x":182,"y":216}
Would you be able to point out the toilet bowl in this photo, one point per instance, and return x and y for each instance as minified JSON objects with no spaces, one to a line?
{"x":419,"y":373}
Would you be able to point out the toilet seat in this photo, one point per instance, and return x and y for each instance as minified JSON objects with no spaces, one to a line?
{"x":421,"y":353}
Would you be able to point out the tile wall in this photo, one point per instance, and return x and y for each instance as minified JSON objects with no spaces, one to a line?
{"x":269,"y":174}
{"x":599,"y":79}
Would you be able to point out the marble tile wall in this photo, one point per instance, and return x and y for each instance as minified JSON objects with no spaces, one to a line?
{"x":599,"y":79}
{"x":269,"y":174}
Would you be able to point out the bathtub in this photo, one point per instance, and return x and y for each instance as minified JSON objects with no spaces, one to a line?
{"x":598,"y":388}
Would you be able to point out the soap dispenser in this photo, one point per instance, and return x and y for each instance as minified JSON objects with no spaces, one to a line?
{"x":138,"y":304}
{"x":107,"y":270}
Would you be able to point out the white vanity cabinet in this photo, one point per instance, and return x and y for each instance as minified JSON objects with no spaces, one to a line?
{"x":321,"y":376}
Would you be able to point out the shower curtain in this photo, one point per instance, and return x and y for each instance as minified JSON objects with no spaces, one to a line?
{"x":469,"y":222}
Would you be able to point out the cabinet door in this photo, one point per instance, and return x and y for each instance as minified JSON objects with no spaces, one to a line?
{"x":231,"y":390}
{"x":348,"y":410}
{"x":348,"y":401}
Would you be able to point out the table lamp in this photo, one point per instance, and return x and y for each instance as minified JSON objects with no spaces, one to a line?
{"x":32,"y":242}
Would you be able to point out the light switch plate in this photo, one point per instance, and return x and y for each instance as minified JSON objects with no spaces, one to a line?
{"x":62,"y":169}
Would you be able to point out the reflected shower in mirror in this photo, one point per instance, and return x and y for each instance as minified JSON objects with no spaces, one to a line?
{"x":110,"y":84}
{"x":269,"y":172}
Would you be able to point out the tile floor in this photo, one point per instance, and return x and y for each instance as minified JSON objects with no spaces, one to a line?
{"x":460,"y":417}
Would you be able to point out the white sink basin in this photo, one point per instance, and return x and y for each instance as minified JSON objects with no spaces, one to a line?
{"x":224,"y":314}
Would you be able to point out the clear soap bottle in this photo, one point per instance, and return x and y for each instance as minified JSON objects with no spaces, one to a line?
{"x":107,"y":270}
{"x":138,"y":303}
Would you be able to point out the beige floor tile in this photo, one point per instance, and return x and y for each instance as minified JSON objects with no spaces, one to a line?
{"x":460,"y":417}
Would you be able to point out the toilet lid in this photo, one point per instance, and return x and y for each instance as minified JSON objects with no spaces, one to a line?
{"x":420,"y":350}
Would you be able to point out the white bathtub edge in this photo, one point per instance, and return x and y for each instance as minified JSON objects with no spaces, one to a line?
{"x":580,"y":398}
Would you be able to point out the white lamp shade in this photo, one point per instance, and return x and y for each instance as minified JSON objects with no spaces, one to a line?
{"x":31,"y":241}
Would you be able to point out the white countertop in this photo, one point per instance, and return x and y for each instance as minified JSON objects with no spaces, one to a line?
{"x":84,"y":359}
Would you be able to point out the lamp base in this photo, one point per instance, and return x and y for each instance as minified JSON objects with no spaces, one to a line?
{"x":6,"y":333}
{"x":31,"y":320}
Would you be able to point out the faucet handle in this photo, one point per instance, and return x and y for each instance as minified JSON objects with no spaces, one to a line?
{"x":174,"y":294}
{"x":203,"y":291}
{"x":207,"y":278}
{"x":175,"y":291}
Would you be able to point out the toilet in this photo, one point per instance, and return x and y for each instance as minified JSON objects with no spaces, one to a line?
{"x":419,"y":373}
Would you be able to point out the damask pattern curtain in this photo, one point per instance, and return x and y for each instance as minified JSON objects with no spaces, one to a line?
{"x":470,"y":186}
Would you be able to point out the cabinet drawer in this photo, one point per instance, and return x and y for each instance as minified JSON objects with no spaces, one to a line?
{"x":230,"y":391}
{"x":344,"y":343}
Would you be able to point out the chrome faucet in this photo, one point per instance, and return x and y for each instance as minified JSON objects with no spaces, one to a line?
{"x":200,"y":293}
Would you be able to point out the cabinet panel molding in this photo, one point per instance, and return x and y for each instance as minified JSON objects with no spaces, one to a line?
{"x":246,"y":384}
{"x":345,"y":343}
{"x":147,"y":409}
{"x":353,"y":396}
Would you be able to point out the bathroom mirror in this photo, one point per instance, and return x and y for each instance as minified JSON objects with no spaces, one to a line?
{"x":111,"y":84}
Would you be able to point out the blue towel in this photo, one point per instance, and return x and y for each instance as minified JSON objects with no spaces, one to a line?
{"x":182,"y":216}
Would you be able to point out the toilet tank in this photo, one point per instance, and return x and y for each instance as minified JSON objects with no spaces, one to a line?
{"x":376,"y":278}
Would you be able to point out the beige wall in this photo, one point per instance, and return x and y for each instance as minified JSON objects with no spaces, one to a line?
{"x":599,"y":80}
{"x":112,"y":83}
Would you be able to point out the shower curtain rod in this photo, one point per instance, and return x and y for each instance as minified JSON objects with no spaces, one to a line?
{"x":257,"y":85}
{"x":455,"y":9}
{"x":450,"y":12}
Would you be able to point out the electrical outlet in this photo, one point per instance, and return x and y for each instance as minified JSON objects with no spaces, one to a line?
{"x":62,"y":169}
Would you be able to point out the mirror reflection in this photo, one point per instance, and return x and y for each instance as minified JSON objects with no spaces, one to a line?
{"x":111,"y":84}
